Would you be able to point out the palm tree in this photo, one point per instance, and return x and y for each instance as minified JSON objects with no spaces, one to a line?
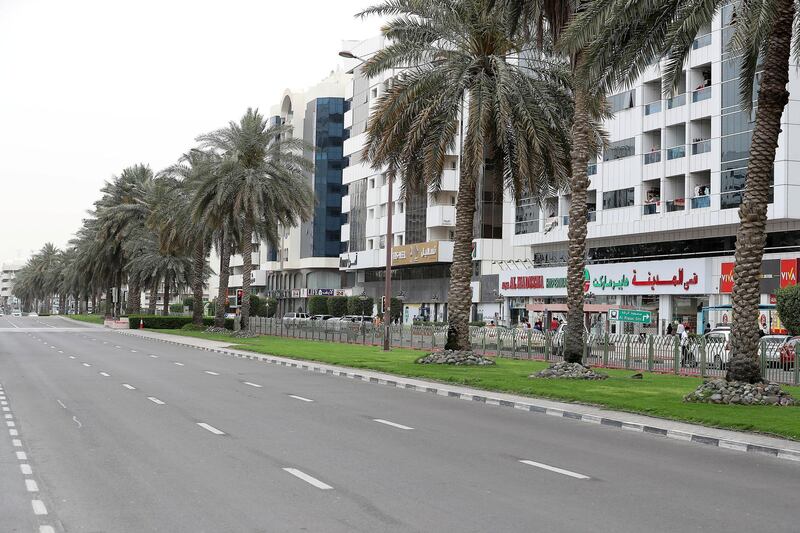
{"x":260,"y":180}
{"x":629,"y":36}
{"x":462,"y":60}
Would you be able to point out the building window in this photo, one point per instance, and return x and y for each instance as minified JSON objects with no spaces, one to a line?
{"x":622,"y":101}
{"x":618,"y":198}
{"x":416,"y":216}
{"x":527,"y":217}
{"x":620,"y":149}
{"x":358,"y":215}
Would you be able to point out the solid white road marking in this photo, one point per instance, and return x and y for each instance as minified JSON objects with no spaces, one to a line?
{"x":256,"y":385}
{"x":393,"y":424}
{"x":86,"y":364}
{"x":26,"y":469}
{"x":308,"y":479}
{"x":22,"y":456}
{"x":155,"y":400}
{"x":211,"y":373}
{"x":554,"y":469}
{"x":38,"y":507}
{"x":31,"y":485}
{"x":16,"y":443}
{"x":105,"y":375}
{"x":210,"y":428}
{"x":178,"y":364}
{"x":129,"y":387}
{"x":300,"y":398}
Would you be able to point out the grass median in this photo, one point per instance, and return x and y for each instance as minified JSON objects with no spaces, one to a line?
{"x":656,"y":394}
{"x":92,"y":319}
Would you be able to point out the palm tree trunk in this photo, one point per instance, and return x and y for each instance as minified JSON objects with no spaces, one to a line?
{"x":151,"y":308}
{"x":165,"y":310}
{"x":109,"y":303}
{"x":134,"y":299}
{"x":222,"y":293}
{"x":247,"y":268}
{"x":576,"y":264}
{"x":459,"y":297}
{"x":751,"y":236}
{"x":197,"y":282}
{"x":62,"y":304}
{"x":94,"y":302}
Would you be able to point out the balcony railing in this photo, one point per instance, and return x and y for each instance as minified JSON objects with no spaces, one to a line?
{"x":701,"y":94}
{"x":676,"y":101}
{"x":676,"y":152}
{"x":592,"y":169}
{"x":678,"y":204}
{"x":652,"y":157}
{"x":701,"y":147}
{"x":652,"y":108}
{"x":702,"y":41}
{"x":701,"y":202}
{"x":651,"y":208}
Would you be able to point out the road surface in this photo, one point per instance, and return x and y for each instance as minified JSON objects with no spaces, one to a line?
{"x":115,"y":433}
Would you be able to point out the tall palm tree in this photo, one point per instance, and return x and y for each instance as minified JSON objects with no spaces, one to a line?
{"x":627,"y":37}
{"x":545,"y":22}
{"x":462,"y":61}
{"x":261,"y":180}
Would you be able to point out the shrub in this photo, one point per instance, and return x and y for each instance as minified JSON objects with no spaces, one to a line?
{"x":270,"y":306}
{"x":176,"y":308}
{"x":395,"y":309}
{"x":188,"y":302}
{"x":318,"y":305}
{"x":193,"y":327}
{"x":257,"y":307}
{"x":337,"y":305}
{"x":355,"y":306}
{"x":788,"y":306}
{"x":170,"y":322}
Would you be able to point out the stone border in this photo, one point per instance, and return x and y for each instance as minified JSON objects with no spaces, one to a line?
{"x":437,"y":389}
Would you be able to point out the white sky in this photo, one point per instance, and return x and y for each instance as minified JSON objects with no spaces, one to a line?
{"x":88,"y":87}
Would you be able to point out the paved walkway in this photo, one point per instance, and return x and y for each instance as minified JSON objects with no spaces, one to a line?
{"x":723,"y":438}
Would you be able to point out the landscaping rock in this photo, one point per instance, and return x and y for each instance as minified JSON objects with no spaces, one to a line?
{"x":565,"y":370}
{"x":244,"y":334}
{"x":638,"y":376}
{"x":455,"y":357}
{"x":213,"y":329}
{"x":739,"y":393}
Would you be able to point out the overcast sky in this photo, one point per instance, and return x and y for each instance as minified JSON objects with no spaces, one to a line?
{"x":88,"y":87}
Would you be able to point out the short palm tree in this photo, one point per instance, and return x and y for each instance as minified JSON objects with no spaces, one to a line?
{"x":625,"y":37}
{"x":260,"y":180}
{"x":462,"y":60}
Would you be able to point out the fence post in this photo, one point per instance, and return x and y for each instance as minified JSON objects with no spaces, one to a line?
{"x":702,"y":357}
{"x":605,"y":349}
{"x":651,"y":348}
{"x":484,"y":341}
{"x":762,"y":358}
{"x":586,"y":349}
{"x":676,"y":355}
{"x":548,"y":345}
{"x":529,"y":345}
{"x":628,"y":353}
{"x":796,"y":368}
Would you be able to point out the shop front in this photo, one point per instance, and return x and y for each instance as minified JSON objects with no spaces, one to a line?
{"x":670,"y":290}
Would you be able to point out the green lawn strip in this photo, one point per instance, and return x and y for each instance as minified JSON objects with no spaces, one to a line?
{"x":93,"y":319}
{"x":657,"y":395}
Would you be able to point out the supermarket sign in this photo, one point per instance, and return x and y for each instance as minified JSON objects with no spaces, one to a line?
{"x":775,"y":274}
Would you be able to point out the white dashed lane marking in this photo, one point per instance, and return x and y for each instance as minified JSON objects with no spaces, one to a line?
{"x":256,"y":385}
{"x":154,"y":356}
{"x":178,"y":364}
{"x":210,"y":428}
{"x":86,"y":364}
{"x":554,"y":469}
{"x":155,"y":400}
{"x":38,"y":507}
{"x":392,"y":424}
{"x":26,"y":469}
{"x":300,"y":398}
{"x":22,"y":456}
{"x":308,"y":479}
{"x":105,"y":375}
{"x":129,"y":387}
{"x":209,"y":372}
{"x":31,"y":485}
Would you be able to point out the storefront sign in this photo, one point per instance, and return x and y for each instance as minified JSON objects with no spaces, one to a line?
{"x":416,"y":254}
{"x":788,"y":272}
{"x":726,"y":278}
{"x":679,"y":277}
{"x":775,"y":273}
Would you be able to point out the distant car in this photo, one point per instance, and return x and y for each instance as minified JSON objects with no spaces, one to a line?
{"x":295,"y":318}
{"x":34,"y":313}
{"x":16,"y":313}
{"x":321,"y":317}
{"x":230,"y":315}
{"x":788,"y":353}
{"x":771,"y":346}
{"x":1,"y":313}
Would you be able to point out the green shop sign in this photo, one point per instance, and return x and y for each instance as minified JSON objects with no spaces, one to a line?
{"x":630,"y":315}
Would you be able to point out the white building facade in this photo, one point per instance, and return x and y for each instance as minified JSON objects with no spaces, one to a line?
{"x":663,"y":203}
{"x":8,"y":272}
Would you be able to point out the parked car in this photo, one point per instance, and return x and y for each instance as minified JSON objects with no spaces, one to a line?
{"x":33,"y":313}
{"x":16,"y":313}
{"x":295,"y":318}
{"x":788,"y":353}
{"x":321,"y":317}
{"x":770,"y":346}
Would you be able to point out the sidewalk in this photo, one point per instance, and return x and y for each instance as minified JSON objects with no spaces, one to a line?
{"x":722,"y":438}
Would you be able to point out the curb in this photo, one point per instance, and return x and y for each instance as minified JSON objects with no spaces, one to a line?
{"x":401,"y":383}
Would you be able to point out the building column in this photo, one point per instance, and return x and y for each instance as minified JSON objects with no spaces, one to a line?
{"x":664,"y":312}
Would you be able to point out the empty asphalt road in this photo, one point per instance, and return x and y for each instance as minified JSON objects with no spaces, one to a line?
{"x":112,"y":433}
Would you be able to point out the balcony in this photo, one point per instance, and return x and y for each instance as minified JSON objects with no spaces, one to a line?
{"x":652,"y":108}
{"x":678,"y":204}
{"x":702,"y":41}
{"x":449,"y":180}
{"x":652,"y":157}
{"x":441,"y":216}
{"x":701,"y":94}
{"x":652,"y":208}
{"x":676,"y":152}
{"x":701,"y":202}
{"x":701,"y":147}
{"x":676,"y":101}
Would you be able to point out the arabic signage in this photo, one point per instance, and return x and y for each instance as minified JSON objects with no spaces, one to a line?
{"x":524,"y":282}
{"x":416,"y":254}
{"x":305,"y":293}
{"x":690,"y":276}
{"x":630,"y":315}
{"x":775,"y":274}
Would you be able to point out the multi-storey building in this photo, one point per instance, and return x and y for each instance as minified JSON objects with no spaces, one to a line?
{"x":306,"y":260}
{"x":663,"y":201}
{"x":423,"y":223}
{"x":8,"y":272}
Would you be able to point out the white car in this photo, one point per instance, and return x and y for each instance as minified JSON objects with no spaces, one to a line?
{"x":321,"y":317}
{"x":34,"y":313}
{"x":16,"y":313}
{"x":295,"y":318}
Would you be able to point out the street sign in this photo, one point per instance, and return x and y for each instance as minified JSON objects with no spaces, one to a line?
{"x":630,"y":315}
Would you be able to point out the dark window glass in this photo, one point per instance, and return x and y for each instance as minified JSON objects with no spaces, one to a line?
{"x":622,"y":101}
{"x":416,"y":216}
{"x":527,"y":217}
{"x":736,"y":146}
{"x":619,"y":198}
{"x":358,"y":215}
{"x":620,"y":149}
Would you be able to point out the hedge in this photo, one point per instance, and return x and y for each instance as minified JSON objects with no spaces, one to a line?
{"x":170,"y":322}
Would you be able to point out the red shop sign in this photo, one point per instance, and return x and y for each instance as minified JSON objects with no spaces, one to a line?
{"x":524,"y":282}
